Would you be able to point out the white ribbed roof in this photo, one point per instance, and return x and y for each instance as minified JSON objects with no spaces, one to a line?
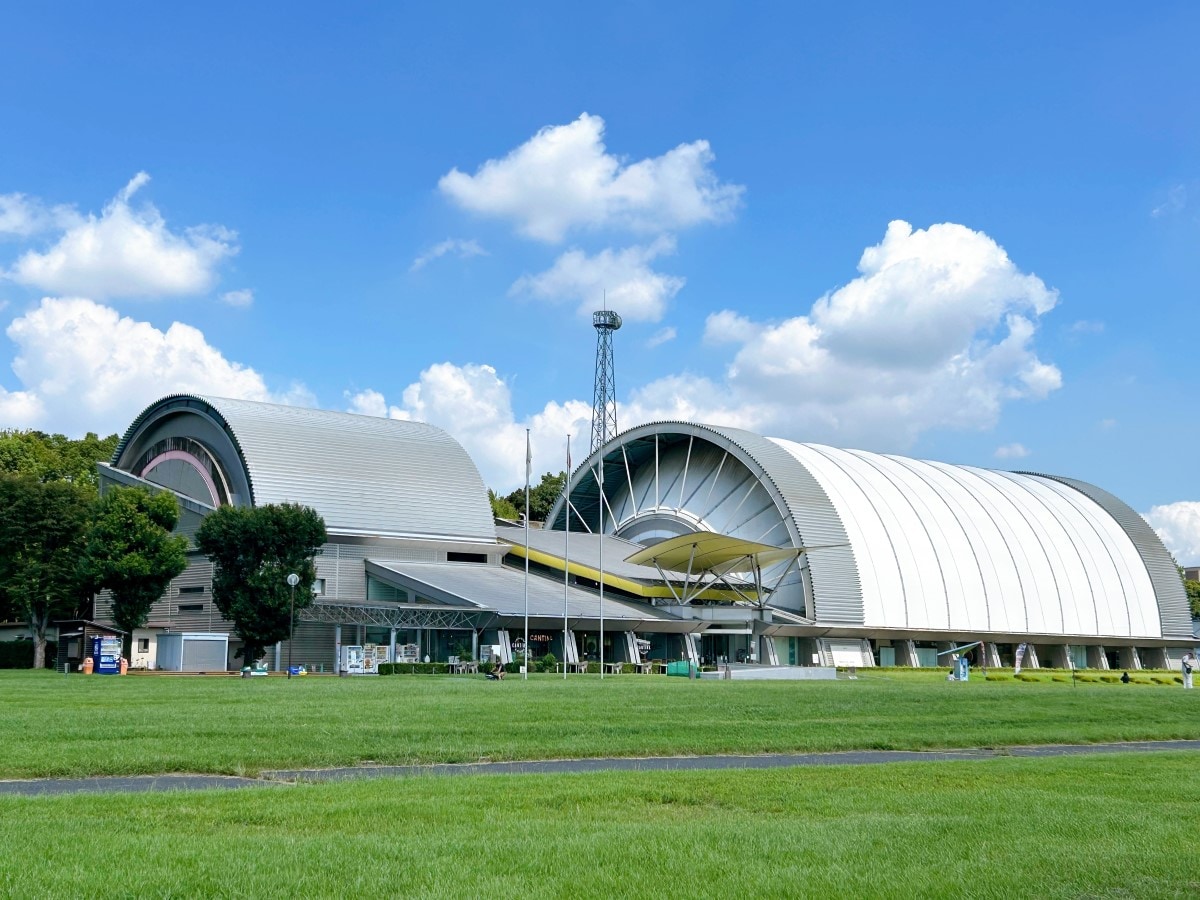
{"x":364,"y":475}
{"x":944,"y":547}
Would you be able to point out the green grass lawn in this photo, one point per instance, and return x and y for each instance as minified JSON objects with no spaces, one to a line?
{"x":1105,"y":826}
{"x":78,"y":725}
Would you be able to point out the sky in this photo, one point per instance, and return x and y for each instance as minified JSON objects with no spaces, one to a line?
{"x":951,"y":231}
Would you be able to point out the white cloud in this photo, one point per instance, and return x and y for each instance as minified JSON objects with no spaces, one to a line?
{"x":728,"y":327}
{"x":474,"y":405}
{"x":622,"y":279}
{"x":1087,"y":326}
{"x":22,"y":216}
{"x":238,"y":299}
{"x":564,"y":178}
{"x":1108,"y":424}
{"x":463,"y":249}
{"x":83,"y":367}
{"x":127,"y":252}
{"x":936,"y":332}
{"x":660,"y":337}
{"x":1011,"y":451}
{"x":1178,"y":525}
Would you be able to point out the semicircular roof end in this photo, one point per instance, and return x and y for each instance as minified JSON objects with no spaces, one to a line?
{"x":365,"y":475}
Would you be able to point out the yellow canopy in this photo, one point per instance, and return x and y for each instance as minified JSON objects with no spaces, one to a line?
{"x":704,"y":551}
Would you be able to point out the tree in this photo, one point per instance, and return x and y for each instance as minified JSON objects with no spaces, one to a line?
{"x":42,"y":535}
{"x":253,"y":550}
{"x":502,"y":508}
{"x":132,"y":552}
{"x":53,"y":457}
{"x":1193,"y":595}
{"x":541,"y":496}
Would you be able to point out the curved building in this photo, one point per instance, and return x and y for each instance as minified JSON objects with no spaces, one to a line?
{"x":904,"y":557}
{"x":413,"y":559}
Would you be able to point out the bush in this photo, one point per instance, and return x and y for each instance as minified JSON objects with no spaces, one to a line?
{"x":1025,"y":676}
{"x":547,"y":663}
{"x":414,"y":668}
{"x":19,"y":654}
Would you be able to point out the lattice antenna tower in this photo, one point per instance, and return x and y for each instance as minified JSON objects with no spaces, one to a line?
{"x":604,"y":400}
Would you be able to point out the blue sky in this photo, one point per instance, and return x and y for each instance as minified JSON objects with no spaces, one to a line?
{"x":410,"y":212}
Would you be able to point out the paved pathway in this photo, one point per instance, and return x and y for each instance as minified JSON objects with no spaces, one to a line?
{"x":283,"y":777}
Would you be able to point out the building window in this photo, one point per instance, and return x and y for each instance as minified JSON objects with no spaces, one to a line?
{"x":143,"y":645}
{"x":192,"y":589}
{"x":191,"y":607}
{"x":318,"y":587}
{"x":455,"y":556}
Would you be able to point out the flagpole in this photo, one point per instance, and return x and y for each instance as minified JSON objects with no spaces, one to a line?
{"x":602,"y":562}
{"x":567,"y":561}
{"x":528,"y":465}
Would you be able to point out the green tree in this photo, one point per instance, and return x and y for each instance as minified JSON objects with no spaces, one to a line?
{"x":542,"y":496}
{"x":1193,"y":595}
{"x":54,"y":457}
{"x":502,"y":508}
{"x":42,"y":535}
{"x":253,"y":550}
{"x":132,"y":552}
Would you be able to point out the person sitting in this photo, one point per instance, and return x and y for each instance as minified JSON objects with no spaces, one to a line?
{"x":1125,"y":679}
{"x":497,"y":673}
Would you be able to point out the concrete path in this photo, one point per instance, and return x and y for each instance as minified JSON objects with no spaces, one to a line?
{"x":282,"y":777}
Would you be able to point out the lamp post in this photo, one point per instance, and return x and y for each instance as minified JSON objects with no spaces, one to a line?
{"x":292,"y":580}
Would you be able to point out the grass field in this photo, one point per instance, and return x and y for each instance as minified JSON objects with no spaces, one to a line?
{"x":1107,"y":826}
{"x":76,"y":725}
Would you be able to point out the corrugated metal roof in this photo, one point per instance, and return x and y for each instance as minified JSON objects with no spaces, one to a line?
{"x":502,"y":590}
{"x":1173,"y":607}
{"x":364,"y":475}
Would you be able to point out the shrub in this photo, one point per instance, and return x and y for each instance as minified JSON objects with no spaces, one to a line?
{"x":1025,"y":676}
{"x":547,"y":663}
{"x":19,"y":654}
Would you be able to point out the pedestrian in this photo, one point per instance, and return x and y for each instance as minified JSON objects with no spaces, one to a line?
{"x":1125,"y":679}
{"x":1187,"y":664}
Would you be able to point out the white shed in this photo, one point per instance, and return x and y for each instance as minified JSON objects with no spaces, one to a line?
{"x":186,"y":651}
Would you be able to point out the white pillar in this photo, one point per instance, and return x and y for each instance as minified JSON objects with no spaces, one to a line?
{"x":337,"y":649}
{"x":277,"y":646}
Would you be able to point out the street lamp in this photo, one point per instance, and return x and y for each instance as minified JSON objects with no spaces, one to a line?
{"x":292,"y":580}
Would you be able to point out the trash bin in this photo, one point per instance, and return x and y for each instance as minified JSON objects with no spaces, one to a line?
{"x":88,"y":663}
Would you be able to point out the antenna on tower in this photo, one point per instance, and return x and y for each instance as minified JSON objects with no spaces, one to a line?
{"x":604,"y":400}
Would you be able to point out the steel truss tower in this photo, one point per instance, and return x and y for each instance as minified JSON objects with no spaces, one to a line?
{"x":604,"y":400}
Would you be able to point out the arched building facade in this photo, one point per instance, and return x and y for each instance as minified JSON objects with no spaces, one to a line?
{"x":906,"y":557}
{"x":811,"y":554}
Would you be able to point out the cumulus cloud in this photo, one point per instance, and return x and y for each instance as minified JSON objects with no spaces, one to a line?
{"x":621,"y":278}
{"x":936,"y":332}
{"x":22,"y":216}
{"x":1011,"y":451}
{"x":84,"y":367}
{"x":463,"y":249}
{"x":660,"y":337}
{"x":564,"y":178}
{"x":474,"y":404}
{"x":127,"y":251}
{"x":238,"y":299}
{"x":1178,"y":525}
